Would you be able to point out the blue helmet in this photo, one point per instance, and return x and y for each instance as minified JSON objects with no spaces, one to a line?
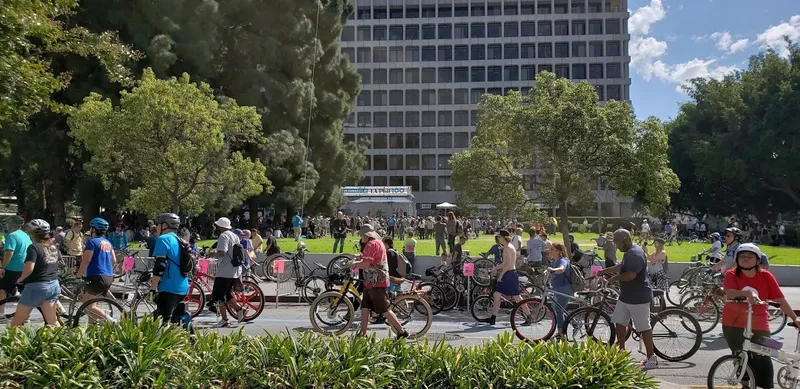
{"x":99,"y":224}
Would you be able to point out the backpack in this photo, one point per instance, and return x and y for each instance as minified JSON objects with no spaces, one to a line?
{"x":239,"y":255}
{"x":576,"y":280}
{"x":403,"y":258}
{"x":186,"y":262}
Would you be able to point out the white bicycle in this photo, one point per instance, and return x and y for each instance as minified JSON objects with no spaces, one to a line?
{"x":734,"y":374}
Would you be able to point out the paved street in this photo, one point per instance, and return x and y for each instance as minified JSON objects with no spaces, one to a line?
{"x":459,"y":328}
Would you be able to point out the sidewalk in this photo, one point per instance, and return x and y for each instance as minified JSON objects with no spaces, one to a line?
{"x":670,"y":385}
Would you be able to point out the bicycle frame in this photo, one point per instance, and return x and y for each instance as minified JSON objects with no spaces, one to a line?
{"x":791,"y":359}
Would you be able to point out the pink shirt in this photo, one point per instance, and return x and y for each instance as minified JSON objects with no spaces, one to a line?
{"x":377,"y":275}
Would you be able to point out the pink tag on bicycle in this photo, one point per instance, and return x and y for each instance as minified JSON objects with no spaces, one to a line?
{"x":595,"y":269}
{"x":203,"y":265}
{"x":469,"y":269}
{"x":127,"y":263}
{"x":277,"y":266}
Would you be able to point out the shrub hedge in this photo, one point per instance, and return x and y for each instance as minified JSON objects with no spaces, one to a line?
{"x":148,"y":356}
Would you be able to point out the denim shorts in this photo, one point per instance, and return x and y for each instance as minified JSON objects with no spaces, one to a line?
{"x":36,"y":293}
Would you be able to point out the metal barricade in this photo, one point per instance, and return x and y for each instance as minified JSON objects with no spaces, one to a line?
{"x":286,"y":278}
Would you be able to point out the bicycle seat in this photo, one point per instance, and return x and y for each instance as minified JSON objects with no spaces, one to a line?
{"x":413,"y":277}
{"x":658,"y":293}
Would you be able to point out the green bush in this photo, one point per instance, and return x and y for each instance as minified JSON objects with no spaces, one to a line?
{"x":148,"y":356}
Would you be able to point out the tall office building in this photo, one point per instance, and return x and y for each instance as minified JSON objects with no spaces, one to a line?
{"x":424,"y":65}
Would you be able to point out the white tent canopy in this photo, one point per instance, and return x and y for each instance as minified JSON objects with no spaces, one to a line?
{"x":445,"y":205}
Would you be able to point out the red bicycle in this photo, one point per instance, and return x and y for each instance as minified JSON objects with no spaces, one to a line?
{"x":250,"y":297}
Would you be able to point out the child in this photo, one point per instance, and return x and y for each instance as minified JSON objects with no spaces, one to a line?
{"x":410,"y":248}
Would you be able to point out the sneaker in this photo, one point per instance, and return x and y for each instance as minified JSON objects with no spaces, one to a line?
{"x":491,"y":320}
{"x":403,"y":335}
{"x":240,"y":314}
{"x":650,"y":363}
{"x":222,"y":324}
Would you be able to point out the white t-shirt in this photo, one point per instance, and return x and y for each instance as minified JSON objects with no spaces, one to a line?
{"x":516,"y":241}
{"x":781,"y":230}
{"x":225,"y":268}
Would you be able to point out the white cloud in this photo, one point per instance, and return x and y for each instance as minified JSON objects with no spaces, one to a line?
{"x":726,"y":42}
{"x":773,"y":36}
{"x":646,"y":51}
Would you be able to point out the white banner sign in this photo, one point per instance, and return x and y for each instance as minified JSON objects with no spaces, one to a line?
{"x":382,"y":191}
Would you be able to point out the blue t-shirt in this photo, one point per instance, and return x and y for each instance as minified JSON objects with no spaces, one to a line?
{"x":297,"y":221}
{"x":100,"y":264}
{"x":172,"y":281}
{"x":561,"y":281}
{"x":118,"y":240}
{"x":637,"y":290}
{"x":392,"y":222}
{"x":497,"y":250}
{"x":17,"y":242}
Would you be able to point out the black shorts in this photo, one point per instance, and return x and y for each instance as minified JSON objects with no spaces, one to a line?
{"x":375,"y":300}
{"x":222,"y":290}
{"x":170,"y":307}
{"x":9,"y":282}
{"x":97,"y":285}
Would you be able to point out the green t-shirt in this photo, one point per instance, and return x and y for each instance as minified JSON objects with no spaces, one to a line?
{"x":17,"y":242}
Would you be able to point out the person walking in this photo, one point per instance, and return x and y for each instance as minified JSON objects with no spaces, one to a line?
{"x":535,"y":247}
{"x":560,"y":270}
{"x":297,"y":226}
{"x":453,"y":228}
{"x":507,"y":279}
{"x":15,"y":252}
{"x":75,"y":240}
{"x":39,"y":276}
{"x":439,"y":233}
{"x":339,"y":229}
{"x":227,"y":274}
{"x":169,"y":285}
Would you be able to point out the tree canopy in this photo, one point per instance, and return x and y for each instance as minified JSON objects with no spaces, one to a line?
{"x":735,"y":143}
{"x":173,"y":141}
{"x":562,"y":136}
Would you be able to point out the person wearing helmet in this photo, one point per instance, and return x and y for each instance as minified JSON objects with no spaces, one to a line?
{"x":168,"y":280}
{"x":748,"y":281}
{"x":39,"y":276}
{"x":15,"y":250}
{"x":97,"y":264}
{"x":227,"y":274}
{"x":715,"y":251}
{"x":733,"y":237}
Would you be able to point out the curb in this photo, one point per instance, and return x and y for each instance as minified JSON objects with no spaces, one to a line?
{"x":670,"y":385}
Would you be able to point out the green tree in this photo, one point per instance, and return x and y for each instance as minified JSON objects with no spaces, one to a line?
{"x":562,"y":135}
{"x":736,"y":140}
{"x":173,"y":140}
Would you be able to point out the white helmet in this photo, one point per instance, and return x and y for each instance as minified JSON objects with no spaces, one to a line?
{"x":751,"y":248}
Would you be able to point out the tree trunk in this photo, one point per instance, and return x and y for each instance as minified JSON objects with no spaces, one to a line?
{"x":563,"y":223}
{"x":253,"y":205}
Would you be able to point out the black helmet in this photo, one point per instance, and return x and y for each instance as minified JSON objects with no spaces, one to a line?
{"x":737,"y":233}
{"x":172,"y":220}
{"x":38,"y":227}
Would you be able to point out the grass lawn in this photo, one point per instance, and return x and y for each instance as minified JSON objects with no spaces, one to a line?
{"x":682,"y":253}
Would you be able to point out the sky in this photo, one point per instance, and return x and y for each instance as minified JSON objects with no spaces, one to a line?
{"x":673,"y":41}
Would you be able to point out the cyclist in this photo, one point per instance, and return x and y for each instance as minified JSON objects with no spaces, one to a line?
{"x":733,"y":238}
{"x":97,"y":266}
{"x":747,"y":280}
{"x":168,"y":280}
{"x":39,"y":276}
{"x":15,"y":250}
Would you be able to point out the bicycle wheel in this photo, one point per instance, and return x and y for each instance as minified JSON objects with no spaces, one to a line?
{"x":704,"y":310}
{"x":312,"y":287}
{"x":450,"y":296}
{"x":413,"y":313}
{"x":251,"y":298}
{"x":674,"y":291}
{"x":725,"y":373}
{"x":481,"y":308}
{"x":141,"y":308}
{"x":777,"y":319}
{"x":675,"y":326}
{"x":325,"y":310}
{"x":109,"y":312}
{"x":588,"y":323}
{"x":532,"y":320}
{"x":338,"y":264}
{"x":483,"y":275}
{"x":195,"y":300}
{"x":433,"y":295}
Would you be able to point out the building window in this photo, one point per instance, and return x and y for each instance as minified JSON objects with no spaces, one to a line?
{"x":395,"y":162}
{"x":412,"y":53}
{"x":494,"y":73}
{"x":428,"y":162}
{"x":461,"y":140}
{"x":428,"y":75}
{"x":379,"y":13}
{"x":412,"y":11}
{"x":613,"y":70}
{"x":545,"y":68}
{"x":412,"y":119}
{"x":495,"y":91}
{"x":413,"y":182}
{"x":443,"y":162}
{"x":562,"y":71}
{"x":396,"y":180}
{"x":461,"y":31}
{"x":380,"y":141}
{"x":478,"y":10}
{"x":445,"y":140}
{"x":412,"y":140}
{"x":429,"y":11}
{"x":396,"y":54}
{"x":395,"y":33}
{"x":511,"y":73}
{"x":461,"y":118}
{"x":412,"y":97}
{"x":545,"y":50}
{"x":478,"y":30}
{"x":412,"y":31}
{"x":528,"y":72}
{"x":445,"y":12}
{"x":461,"y":53}
{"x":364,"y":55}
{"x":428,"y":31}
{"x":379,"y":180}
{"x":475,"y":95}
{"x":528,"y":29}
{"x":380,"y":162}
{"x":428,"y":53}
{"x":396,"y":119}
{"x":579,"y":71}
{"x":446,"y":53}
{"x":578,"y":49}
{"x":365,"y":76}
{"x":511,"y":51}
{"x":429,"y":97}
{"x":445,"y":96}
{"x":396,"y":13}
{"x":379,"y":120}
{"x":350,"y":122}
{"x":544,"y":8}
{"x":545,"y":28}
{"x":380,"y":54}
{"x":428,"y":184}
{"x":510,"y":9}
{"x":528,"y":50}
{"x":494,"y":9}
{"x":446,"y":74}
{"x":396,"y":97}
{"x":429,"y":119}
{"x":595,"y":27}
{"x":395,"y":76}
{"x":445,"y":31}
{"x":461,"y":10}
{"x":461,"y":96}
{"x":562,"y":50}
{"x":478,"y":74}
{"x":350,"y":53}
{"x":444,"y":184}
{"x":562,"y":28}
{"x":379,"y":33}
{"x":600,"y":89}
{"x":494,"y":51}
{"x":473,"y":118}
{"x":613,"y":49}
{"x":478,"y":52}
{"x":578,"y":27}
{"x":364,"y":98}
{"x":595,"y":49}
{"x":578,"y":6}
{"x":428,"y":140}
{"x":596,"y":71}
{"x":364,"y":13}
{"x":461,"y":74}
{"x":379,"y":76}
{"x":561,"y":7}
{"x":612,"y":26}
{"x":494,"y":30}
{"x":595,"y":7}
{"x":348,"y":34}
{"x":527,"y":8}
{"x":614,"y":92}
{"x":364,"y":33}
{"x":396,"y":141}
